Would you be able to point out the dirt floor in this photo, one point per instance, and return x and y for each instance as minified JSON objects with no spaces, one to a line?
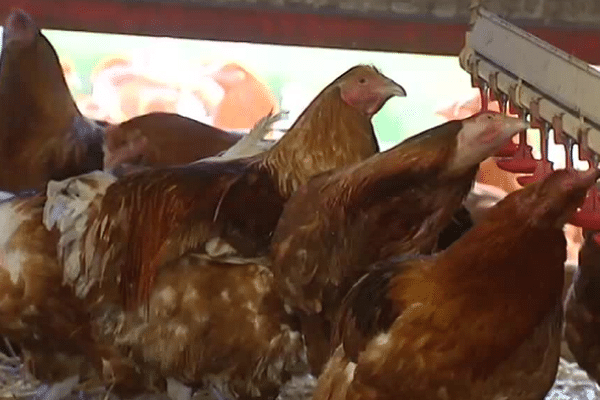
{"x":571,"y":384}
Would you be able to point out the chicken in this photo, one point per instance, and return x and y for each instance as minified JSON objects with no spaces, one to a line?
{"x":124,"y":92}
{"x":125,"y":88}
{"x":36,"y":308}
{"x":396,"y":202}
{"x":139,"y":94}
{"x":245,"y":100}
{"x":480,"y":320}
{"x":163,"y":139}
{"x":39,"y":285}
{"x":43,"y":135}
{"x":198,"y":236}
{"x":491,"y":174}
{"x":105,"y":94}
{"x":67,"y":371}
{"x":582,"y":309}
{"x":90,"y":109}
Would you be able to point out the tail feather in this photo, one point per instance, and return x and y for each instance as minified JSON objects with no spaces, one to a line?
{"x":252,"y":143}
{"x":69,"y":206}
{"x":4,"y":196}
{"x":262,"y":127}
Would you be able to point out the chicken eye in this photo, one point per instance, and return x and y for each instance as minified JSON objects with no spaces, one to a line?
{"x":362,"y":80}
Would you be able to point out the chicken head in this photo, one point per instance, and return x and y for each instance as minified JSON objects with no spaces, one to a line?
{"x":367,"y":89}
{"x":482,"y":135}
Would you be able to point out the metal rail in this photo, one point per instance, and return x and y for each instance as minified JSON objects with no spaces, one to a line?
{"x":528,"y":71}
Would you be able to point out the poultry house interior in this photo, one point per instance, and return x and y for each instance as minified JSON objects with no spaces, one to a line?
{"x":300,"y":200}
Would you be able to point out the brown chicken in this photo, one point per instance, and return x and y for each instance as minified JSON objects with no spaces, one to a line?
{"x":36,"y":310}
{"x":480,"y":320}
{"x":214,"y":324}
{"x":164,"y":139}
{"x":136,"y":233}
{"x":396,"y":202}
{"x":582,"y":308}
{"x":245,"y":101}
{"x":43,"y":135}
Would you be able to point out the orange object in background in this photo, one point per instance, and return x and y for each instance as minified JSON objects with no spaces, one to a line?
{"x":246,"y":99}
{"x":230,"y":98}
{"x":124,"y":92}
{"x":91,"y":109}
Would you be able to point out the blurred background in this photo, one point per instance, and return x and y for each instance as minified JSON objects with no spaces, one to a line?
{"x":234,"y":78}
{"x":116,"y":77}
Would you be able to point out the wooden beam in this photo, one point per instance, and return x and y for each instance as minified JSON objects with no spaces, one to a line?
{"x":200,"y":21}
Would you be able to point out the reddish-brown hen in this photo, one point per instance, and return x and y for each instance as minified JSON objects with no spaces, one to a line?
{"x":167,"y":139}
{"x":480,"y":320}
{"x":163,"y":139}
{"x":64,"y":340}
{"x":582,"y":308}
{"x":43,"y":135}
{"x":396,"y":202}
{"x":36,"y":310}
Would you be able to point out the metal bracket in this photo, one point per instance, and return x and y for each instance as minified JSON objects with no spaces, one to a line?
{"x":526,"y":69}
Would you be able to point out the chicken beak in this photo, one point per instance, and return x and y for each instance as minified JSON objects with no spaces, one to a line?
{"x":511,"y":126}
{"x":585,"y":179}
{"x":392,"y":88}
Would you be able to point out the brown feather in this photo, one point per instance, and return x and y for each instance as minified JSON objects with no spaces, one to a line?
{"x":58,"y":332}
{"x":334,"y":227}
{"x":396,"y":202}
{"x":183,"y":203}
